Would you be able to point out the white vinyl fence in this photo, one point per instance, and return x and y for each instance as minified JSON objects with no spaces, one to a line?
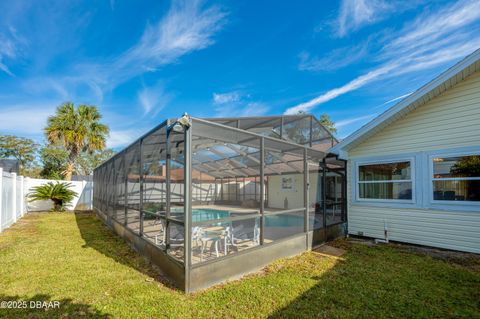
{"x":14,"y":191}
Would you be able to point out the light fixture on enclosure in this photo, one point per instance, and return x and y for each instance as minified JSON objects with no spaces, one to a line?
{"x":177,"y":127}
{"x":182,"y":123}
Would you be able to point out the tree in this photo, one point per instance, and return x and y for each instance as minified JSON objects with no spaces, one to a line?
{"x":59,"y":193}
{"x":299,"y":130}
{"x":78,"y":130}
{"x":328,"y":123}
{"x":22,"y":149}
{"x":54,"y":160}
{"x":33,"y":172}
{"x":87,"y":162}
{"x":469,"y":166}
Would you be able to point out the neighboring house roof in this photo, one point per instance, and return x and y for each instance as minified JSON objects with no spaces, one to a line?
{"x":10,"y":165}
{"x":437,"y":86}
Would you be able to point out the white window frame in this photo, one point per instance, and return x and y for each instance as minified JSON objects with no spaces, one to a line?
{"x":431,"y":179}
{"x":385,"y":161}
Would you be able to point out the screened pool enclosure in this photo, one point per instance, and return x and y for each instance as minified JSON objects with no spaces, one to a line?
{"x":208,"y":200}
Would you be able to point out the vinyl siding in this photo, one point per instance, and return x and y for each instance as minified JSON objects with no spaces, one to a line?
{"x":450,"y":230}
{"x":449,"y":121}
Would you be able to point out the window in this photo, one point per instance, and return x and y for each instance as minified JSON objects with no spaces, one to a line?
{"x":456,"y":178}
{"x":385,"y":181}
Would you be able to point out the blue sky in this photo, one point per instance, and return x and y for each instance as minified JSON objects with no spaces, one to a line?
{"x":143,"y":61}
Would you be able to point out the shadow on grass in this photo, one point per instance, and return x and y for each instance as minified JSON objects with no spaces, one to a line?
{"x":103,"y":240}
{"x":43,"y":306}
{"x":385,"y":282}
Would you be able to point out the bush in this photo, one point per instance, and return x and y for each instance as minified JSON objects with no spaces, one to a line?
{"x":59,"y":193}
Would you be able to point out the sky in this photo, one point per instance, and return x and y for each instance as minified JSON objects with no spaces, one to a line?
{"x":141,"y":62}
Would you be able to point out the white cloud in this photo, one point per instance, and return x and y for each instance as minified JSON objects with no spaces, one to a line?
{"x":5,"y":68}
{"x":357,"y":13}
{"x":25,"y":119}
{"x":426,"y":29}
{"x":237,"y":103}
{"x":253,"y":109}
{"x":247,"y":109}
{"x":349,"y":121}
{"x":351,"y":86}
{"x":334,"y":60}
{"x":397,"y":98}
{"x":9,"y":41}
{"x":417,"y":51}
{"x":119,"y":138}
{"x":230,"y":97}
{"x":188,"y":26}
{"x":154,"y":99}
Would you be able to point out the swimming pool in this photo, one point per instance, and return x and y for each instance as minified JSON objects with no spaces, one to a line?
{"x":279,"y":220}
{"x":282,"y":220}
{"x":205,"y":214}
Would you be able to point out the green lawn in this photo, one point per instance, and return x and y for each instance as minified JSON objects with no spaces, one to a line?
{"x":73,"y":258}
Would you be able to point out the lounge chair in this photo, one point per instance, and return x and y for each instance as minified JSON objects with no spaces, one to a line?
{"x":242,"y":232}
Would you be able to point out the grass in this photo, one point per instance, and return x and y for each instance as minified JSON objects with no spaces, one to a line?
{"x":73,"y":258}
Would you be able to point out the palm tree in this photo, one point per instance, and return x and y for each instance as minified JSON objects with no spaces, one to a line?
{"x":78,"y":130}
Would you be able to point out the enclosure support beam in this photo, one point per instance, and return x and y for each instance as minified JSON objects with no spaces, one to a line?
{"x":311,"y":131}
{"x":126,"y":188}
{"x":115,"y":189}
{"x":262,"y":190}
{"x":244,"y":189}
{"x":240,"y":152}
{"x":281,"y":127}
{"x":305,"y":189}
{"x":168,"y":188}
{"x":188,"y":205}
{"x":141,"y":187}
{"x":344,"y":196}
{"x":236,"y":188}
{"x":285,"y":162}
{"x":324,"y":195}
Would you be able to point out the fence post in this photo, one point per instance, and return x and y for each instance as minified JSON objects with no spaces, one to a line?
{"x":82,"y":198}
{"x":14,"y":197}
{"x":26,"y":182}
{"x":1,"y":204}
{"x":22,"y":196}
{"x":90,"y":198}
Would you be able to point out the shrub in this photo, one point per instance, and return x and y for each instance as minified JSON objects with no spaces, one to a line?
{"x":59,"y":193}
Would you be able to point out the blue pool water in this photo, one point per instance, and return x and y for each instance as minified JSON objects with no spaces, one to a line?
{"x":200,"y":215}
{"x":282,"y":220}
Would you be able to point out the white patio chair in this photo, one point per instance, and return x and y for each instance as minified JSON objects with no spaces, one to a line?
{"x":242,"y":232}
